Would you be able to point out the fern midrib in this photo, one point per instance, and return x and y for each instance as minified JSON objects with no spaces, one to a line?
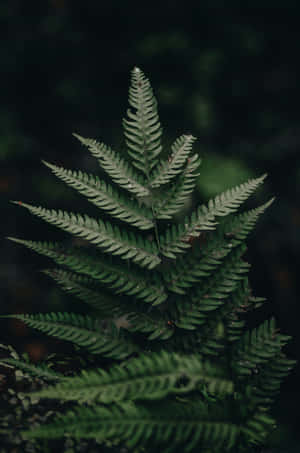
{"x":141,"y":121}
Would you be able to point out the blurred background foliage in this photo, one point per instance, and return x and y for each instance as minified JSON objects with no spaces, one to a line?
{"x":228,"y":75}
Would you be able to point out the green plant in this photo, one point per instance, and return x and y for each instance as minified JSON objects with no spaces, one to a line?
{"x":169,"y":299}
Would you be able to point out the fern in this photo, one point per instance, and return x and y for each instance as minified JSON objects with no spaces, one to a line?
{"x":82,"y":331}
{"x":147,"y":377}
{"x":183,"y":372}
{"x":41,"y":370}
{"x":105,"y":197}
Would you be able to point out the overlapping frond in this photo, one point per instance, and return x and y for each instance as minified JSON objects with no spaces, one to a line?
{"x":257,"y":428}
{"x":238,"y":227}
{"x":119,"y":170}
{"x":212,"y":294}
{"x":85,"y":289}
{"x":170,"y":168}
{"x":171,"y":202}
{"x":257,"y":347}
{"x":168,"y":426}
{"x":142,"y":129}
{"x":154,"y":326}
{"x":40,"y":370}
{"x":81,"y":330}
{"x":118,"y":278}
{"x":176,"y":238}
{"x":109,"y":238}
{"x":266,"y":383}
{"x":203,"y":261}
{"x":105,"y":197}
{"x":150,"y":376}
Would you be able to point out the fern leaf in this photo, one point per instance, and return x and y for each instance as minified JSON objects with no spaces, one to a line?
{"x":80,"y":330}
{"x":110,"y":240}
{"x":167,"y":426}
{"x":117,"y":168}
{"x":80,"y":286}
{"x":142,"y":129}
{"x":238,"y":227}
{"x":115,"y":277}
{"x":257,"y":347}
{"x":175,"y":198}
{"x":146,"y":377}
{"x":152,"y":324}
{"x":41,"y":371}
{"x":234,"y":326}
{"x":169,"y":169}
{"x":176,"y":238}
{"x":212,"y":295}
{"x":266,"y":383}
{"x":199,"y":264}
{"x":105,"y":197}
{"x":257,"y":428}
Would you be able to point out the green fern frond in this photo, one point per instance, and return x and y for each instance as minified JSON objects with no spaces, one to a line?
{"x":109,"y":239}
{"x":169,"y":169}
{"x":256,"y":302}
{"x":175,"y":240}
{"x":156,"y":327}
{"x":257,"y":428}
{"x":239,"y":227}
{"x":142,"y":129}
{"x":116,"y":277}
{"x":40,"y":370}
{"x":80,"y":286}
{"x":146,"y":377}
{"x":225,"y":282}
{"x":257,"y":347}
{"x":105,"y":197}
{"x":229,"y":201}
{"x":80,"y":330}
{"x":191,"y":377}
{"x":212,"y":295}
{"x":203,"y":261}
{"x":175,"y":198}
{"x":234,"y":325}
{"x":167,"y":426}
{"x":266,"y":383}
{"x":117,"y":168}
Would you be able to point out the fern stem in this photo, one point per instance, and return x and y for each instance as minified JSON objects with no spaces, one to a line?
{"x":156,"y":230}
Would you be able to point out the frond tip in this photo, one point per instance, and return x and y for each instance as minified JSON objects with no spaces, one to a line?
{"x":142,"y":129}
{"x":176,"y":238}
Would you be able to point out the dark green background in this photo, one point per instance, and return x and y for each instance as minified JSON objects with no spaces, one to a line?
{"x":229,"y":75}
